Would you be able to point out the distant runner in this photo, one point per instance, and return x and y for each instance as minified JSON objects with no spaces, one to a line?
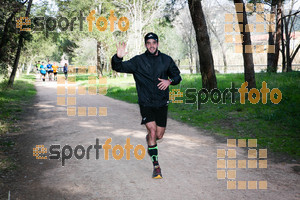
{"x":50,"y":71}
{"x":55,"y":68}
{"x":43,"y":71}
{"x":66,"y":71}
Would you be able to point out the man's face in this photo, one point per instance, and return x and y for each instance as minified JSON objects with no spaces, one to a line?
{"x":152,"y":46}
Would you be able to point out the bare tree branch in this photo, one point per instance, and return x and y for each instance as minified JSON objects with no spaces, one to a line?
{"x":295,"y":53}
{"x":290,"y":15}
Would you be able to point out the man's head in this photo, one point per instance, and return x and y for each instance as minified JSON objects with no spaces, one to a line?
{"x":151,"y":43}
{"x":42,"y":62}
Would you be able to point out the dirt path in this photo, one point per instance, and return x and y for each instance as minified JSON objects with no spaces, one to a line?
{"x":188,"y":158}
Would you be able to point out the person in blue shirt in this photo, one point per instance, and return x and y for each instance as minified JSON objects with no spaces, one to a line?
{"x":50,"y":71}
{"x":66,"y":71}
{"x":43,"y":70}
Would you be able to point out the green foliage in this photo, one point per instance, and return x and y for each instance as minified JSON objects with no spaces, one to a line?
{"x":171,"y":44}
{"x":51,"y":45}
{"x":86,"y":53}
{"x":9,"y":12}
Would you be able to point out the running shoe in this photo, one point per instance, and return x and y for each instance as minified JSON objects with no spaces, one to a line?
{"x":157,"y":172}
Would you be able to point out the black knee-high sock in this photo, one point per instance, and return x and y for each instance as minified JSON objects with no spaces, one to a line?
{"x":153,"y":152}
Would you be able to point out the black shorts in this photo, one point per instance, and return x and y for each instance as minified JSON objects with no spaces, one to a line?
{"x":157,"y":114}
{"x":55,"y":73}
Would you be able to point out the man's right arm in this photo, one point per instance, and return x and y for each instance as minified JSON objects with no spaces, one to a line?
{"x":126,"y":66}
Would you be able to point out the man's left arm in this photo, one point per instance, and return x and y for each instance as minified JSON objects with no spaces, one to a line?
{"x":174,"y":73}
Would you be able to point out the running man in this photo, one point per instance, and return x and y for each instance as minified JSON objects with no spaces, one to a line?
{"x":55,"y":67}
{"x":66,"y":71}
{"x":50,"y":71}
{"x":153,"y":72}
{"x":43,"y":71}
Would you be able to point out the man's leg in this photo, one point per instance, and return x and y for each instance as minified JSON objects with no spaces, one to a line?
{"x":151,"y":128}
{"x":160,"y":131}
{"x":152,"y":148}
{"x":151,"y":139}
{"x":161,"y":116}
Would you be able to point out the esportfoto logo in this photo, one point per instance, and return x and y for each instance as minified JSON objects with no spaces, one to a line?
{"x":65,"y":24}
{"x":217,"y":96}
{"x":67,"y":152}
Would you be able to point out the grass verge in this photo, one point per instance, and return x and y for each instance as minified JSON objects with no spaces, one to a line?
{"x":12,"y":102}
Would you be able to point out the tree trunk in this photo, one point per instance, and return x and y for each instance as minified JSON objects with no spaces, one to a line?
{"x":249,"y":73}
{"x":29,"y":67}
{"x":271,"y":67}
{"x":221,"y":45}
{"x":289,"y":24}
{"x":224,"y":57}
{"x":20,"y":45}
{"x":282,"y":44}
{"x":99,"y":67}
{"x":273,"y":57}
{"x":287,"y":46}
{"x":191,"y":62}
{"x":23,"y":68}
{"x":20,"y":71}
{"x":279,"y":34}
{"x":197,"y":63}
{"x":209,"y":80}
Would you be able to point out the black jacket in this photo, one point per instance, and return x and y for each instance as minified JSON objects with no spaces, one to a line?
{"x":146,"y":69}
